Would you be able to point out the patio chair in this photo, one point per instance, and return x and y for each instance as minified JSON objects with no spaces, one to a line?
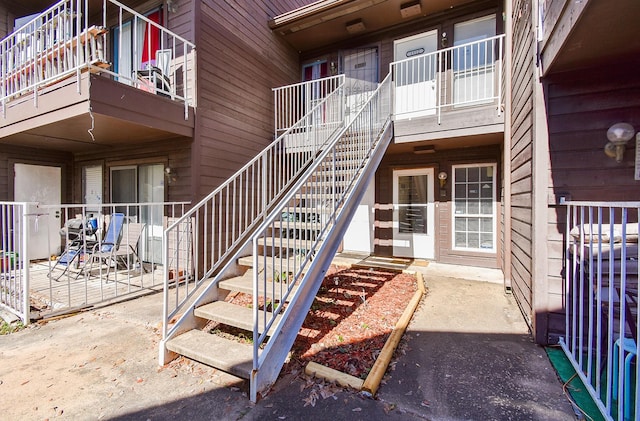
{"x":127,"y":254}
{"x":155,"y":78}
{"x":104,"y":252}
{"x":80,"y":237}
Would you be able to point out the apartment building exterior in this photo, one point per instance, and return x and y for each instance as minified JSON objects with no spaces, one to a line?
{"x":500,"y":112}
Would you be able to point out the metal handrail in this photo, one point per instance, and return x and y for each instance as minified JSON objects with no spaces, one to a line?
{"x":228,"y":214}
{"x":312,"y":208}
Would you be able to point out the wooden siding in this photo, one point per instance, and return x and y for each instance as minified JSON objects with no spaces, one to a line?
{"x":173,"y":153}
{"x":582,"y":105}
{"x":522,"y":157}
{"x":239,"y":61}
{"x":440,"y":161}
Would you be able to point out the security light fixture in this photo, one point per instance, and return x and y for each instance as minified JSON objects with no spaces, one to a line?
{"x":618,"y":134}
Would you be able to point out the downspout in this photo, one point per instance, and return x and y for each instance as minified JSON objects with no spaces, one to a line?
{"x":540,"y":186}
{"x":506,"y":151}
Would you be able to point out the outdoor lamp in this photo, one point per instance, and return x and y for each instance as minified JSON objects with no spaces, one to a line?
{"x":618,"y":134}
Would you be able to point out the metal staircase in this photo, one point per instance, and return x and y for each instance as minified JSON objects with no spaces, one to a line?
{"x":281,"y":260}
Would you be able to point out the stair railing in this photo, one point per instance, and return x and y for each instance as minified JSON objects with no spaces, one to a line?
{"x":310,"y":221}
{"x":220,"y":224}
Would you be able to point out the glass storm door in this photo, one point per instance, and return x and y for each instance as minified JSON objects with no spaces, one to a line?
{"x":413,"y":213}
{"x":415,"y":75}
{"x":360,"y":68}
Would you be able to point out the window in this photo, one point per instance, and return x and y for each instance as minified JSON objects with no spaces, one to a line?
{"x":474,"y":207}
{"x":135,"y":43}
{"x":92,"y":186}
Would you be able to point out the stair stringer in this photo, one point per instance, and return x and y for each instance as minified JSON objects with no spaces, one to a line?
{"x":272,"y":358}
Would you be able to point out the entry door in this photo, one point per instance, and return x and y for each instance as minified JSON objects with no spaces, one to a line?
{"x":360,"y":68}
{"x":41,"y":184}
{"x":473,"y":64}
{"x":415,"y":74}
{"x":413,"y":213}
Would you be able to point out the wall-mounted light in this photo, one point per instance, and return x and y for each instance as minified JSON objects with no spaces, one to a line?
{"x":618,"y":134}
{"x":170,"y":174}
{"x":444,"y":41}
{"x":333,"y":67}
{"x":442,"y":176}
{"x":172,"y":7}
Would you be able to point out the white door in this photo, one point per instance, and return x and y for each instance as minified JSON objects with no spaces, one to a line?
{"x":360,"y":68}
{"x":415,"y":74}
{"x":413,"y":213}
{"x":40,"y":184}
{"x":473,"y":61}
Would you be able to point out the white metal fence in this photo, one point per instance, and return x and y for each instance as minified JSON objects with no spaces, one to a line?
{"x":468,"y":74}
{"x":601,"y":290}
{"x":93,"y":254}
{"x":293,"y":102}
{"x":106,"y":37}
{"x":14,"y":260}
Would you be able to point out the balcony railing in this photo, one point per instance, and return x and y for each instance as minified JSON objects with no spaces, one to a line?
{"x":448,"y":79}
{"x":601,"y":303}
{"x":107,"y":37}
{"x":100,"y":253}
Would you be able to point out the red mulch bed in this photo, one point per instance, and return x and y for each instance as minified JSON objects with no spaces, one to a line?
{"x":351,"y":318}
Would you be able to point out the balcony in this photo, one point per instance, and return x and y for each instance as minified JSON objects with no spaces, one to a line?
{"x":452,"y":92}
{"x":84,"y":73}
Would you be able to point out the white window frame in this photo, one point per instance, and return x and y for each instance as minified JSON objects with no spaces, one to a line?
{"x":494,"y":218}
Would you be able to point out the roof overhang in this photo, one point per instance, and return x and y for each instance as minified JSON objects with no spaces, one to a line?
{"x":583,"y":34}
{"x":327,"y":22}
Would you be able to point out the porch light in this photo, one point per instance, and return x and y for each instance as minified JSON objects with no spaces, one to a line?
{"x":618,"y":134}
{"x":172,"y":7}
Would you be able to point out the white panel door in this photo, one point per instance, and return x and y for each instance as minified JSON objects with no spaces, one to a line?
{"x":40,"y":184}
{"x":413,"y":213}
{"x":360,"y":68}
{"x":415,"y":75}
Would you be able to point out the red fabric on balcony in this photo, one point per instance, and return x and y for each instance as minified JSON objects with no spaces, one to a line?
{"x":151,"y":40}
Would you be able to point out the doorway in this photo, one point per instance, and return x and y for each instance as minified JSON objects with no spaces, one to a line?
{"x":360,"y":68}
{"x":43,"y":185}
{"x":138,"y":184}
{"x":415,"y":70}
{"x":413,"y":213}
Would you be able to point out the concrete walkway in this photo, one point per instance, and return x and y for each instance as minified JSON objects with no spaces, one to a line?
{"x":467,"y":356}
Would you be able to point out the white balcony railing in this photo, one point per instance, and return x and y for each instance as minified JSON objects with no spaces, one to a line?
{"x":94,"y":259}
{"x":107,"y":37}
{"x":601,"y":303}
{"x":464,"y":75}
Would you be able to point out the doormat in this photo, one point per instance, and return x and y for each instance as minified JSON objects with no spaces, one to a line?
{"x":393,"y":263}
{"x":573,"y":385}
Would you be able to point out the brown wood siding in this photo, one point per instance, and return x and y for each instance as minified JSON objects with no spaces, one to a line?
{"x":174,"y":153}
{"x":440,"y":161}
{"x":521,"y":156}
{"x":239,"y":61}
{"x":582,"y":105}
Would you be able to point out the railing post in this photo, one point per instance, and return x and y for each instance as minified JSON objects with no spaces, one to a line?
{"x":25,"y":265}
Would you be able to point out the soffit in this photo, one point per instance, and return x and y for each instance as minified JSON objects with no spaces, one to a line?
{"x":323,"y":23}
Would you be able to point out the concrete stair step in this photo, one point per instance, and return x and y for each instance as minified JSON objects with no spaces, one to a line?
{"x":214,"y":351}
{"x":232,"y":315}
{"x":244,"y":284}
